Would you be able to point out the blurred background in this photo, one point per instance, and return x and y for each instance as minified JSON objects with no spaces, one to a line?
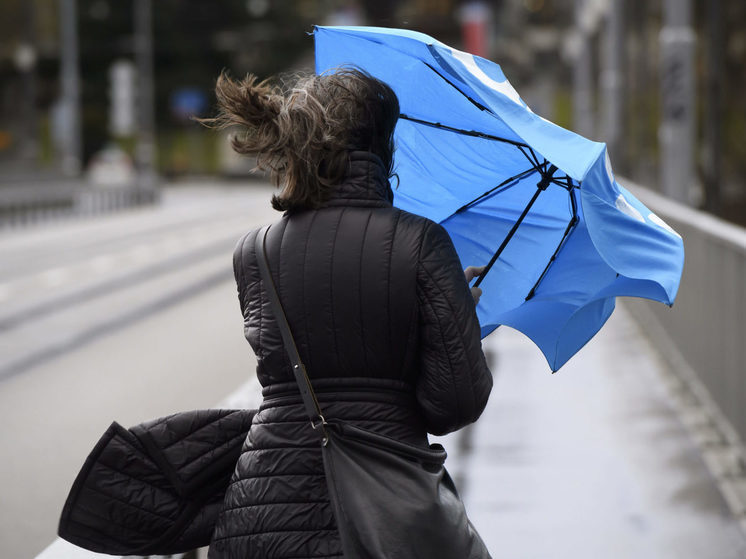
{"x":98,"y":88}
{"x":118,"y":215}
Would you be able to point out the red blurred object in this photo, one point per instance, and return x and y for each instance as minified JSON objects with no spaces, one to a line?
{"x":474,"y":27}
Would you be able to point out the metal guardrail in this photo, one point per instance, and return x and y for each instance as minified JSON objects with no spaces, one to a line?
{"x":706,"y":328}
{"x":31,"y":204}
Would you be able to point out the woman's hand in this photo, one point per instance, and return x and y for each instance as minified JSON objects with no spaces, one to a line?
{"x":470,"y":273}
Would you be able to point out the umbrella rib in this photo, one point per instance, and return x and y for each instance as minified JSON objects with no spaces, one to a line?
{"x":449,"y":82}
{"x":531,"y":161}
{"x":472,"y":133}
{"x":536,"y":159}
{"x":541,"y":186}
{"x":564,"y":182}
{"x":545,"y":169}
{"x":570,"y":226}
{"x":520,"y":175}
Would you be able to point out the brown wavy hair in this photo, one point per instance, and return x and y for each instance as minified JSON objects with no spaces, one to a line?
{"x":301,"y":132}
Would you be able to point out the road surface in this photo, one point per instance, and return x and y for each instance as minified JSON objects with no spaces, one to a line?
{"x":127,"y":318}
{"x":134,"y":316}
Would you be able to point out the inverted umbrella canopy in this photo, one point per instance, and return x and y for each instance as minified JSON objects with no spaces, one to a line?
{"x":536,"y":203}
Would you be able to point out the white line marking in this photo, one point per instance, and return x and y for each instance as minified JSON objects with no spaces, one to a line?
{"x":142,"y":253}
{"x":172,"y":243}
{"x":54,"y":277}
{"x":4,"y":292}
{"x":102,"y":263}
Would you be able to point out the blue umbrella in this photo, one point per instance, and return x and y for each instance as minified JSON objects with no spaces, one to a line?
{"x":536,"y":203}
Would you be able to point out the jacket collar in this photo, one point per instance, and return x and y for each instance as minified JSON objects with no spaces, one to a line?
{"x":365,"y":183}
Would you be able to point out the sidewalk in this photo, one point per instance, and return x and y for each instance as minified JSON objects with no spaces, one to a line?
{"x":591,"y":462}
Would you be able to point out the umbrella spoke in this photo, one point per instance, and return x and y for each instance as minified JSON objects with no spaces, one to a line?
{"x":494,"y":190}
{"x":458,"y":144}
{"x":546,"y":179}
{"x":473,"y":133}
{"x":565,"y":182}
{"x":570,"y":226}
{"x":454,"y":86}
{"x":536,"y":159}
{"x":528,"y":157}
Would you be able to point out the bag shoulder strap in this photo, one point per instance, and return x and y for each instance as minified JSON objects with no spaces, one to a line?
{"x":310,"y":402}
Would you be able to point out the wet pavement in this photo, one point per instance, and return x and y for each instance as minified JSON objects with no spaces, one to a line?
{"x":589,"y":462}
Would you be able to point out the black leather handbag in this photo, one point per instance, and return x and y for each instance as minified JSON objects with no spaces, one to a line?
{"x":391,"y":500}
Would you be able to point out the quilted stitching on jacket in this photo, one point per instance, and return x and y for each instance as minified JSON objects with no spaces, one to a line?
{"x":377,"y":302}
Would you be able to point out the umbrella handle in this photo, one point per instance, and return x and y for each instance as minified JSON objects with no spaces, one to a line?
{"x":480,"y":277}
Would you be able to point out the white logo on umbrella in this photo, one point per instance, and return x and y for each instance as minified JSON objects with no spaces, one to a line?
{"x":660,"y":223}
{"x":609,"y":171}
{"x":626,"y":208}
{"x":501,"y":87}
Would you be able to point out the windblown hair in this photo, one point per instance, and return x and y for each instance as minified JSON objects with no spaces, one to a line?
{"x":302,"y":133}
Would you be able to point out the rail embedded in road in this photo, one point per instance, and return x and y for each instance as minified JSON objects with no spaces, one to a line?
{"x":131,"y":267}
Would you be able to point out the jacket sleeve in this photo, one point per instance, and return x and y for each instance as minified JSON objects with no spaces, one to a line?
{"x":454,"y":381}
{"x":157,"y":488}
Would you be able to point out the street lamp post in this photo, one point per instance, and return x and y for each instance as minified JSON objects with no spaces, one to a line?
{"x":145,"y":150}
{"x":25,"y":60}
{"x":714,"y":106}
{"x":582,"y":96}
{"x":677,"y":89}
{"x":612,"y":82}
{"x":71,"y":148}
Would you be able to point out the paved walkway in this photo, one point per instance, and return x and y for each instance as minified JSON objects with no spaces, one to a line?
{"x":591,"y":462}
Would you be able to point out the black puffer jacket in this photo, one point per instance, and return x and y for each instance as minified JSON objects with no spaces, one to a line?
{"x":386,"y":325}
